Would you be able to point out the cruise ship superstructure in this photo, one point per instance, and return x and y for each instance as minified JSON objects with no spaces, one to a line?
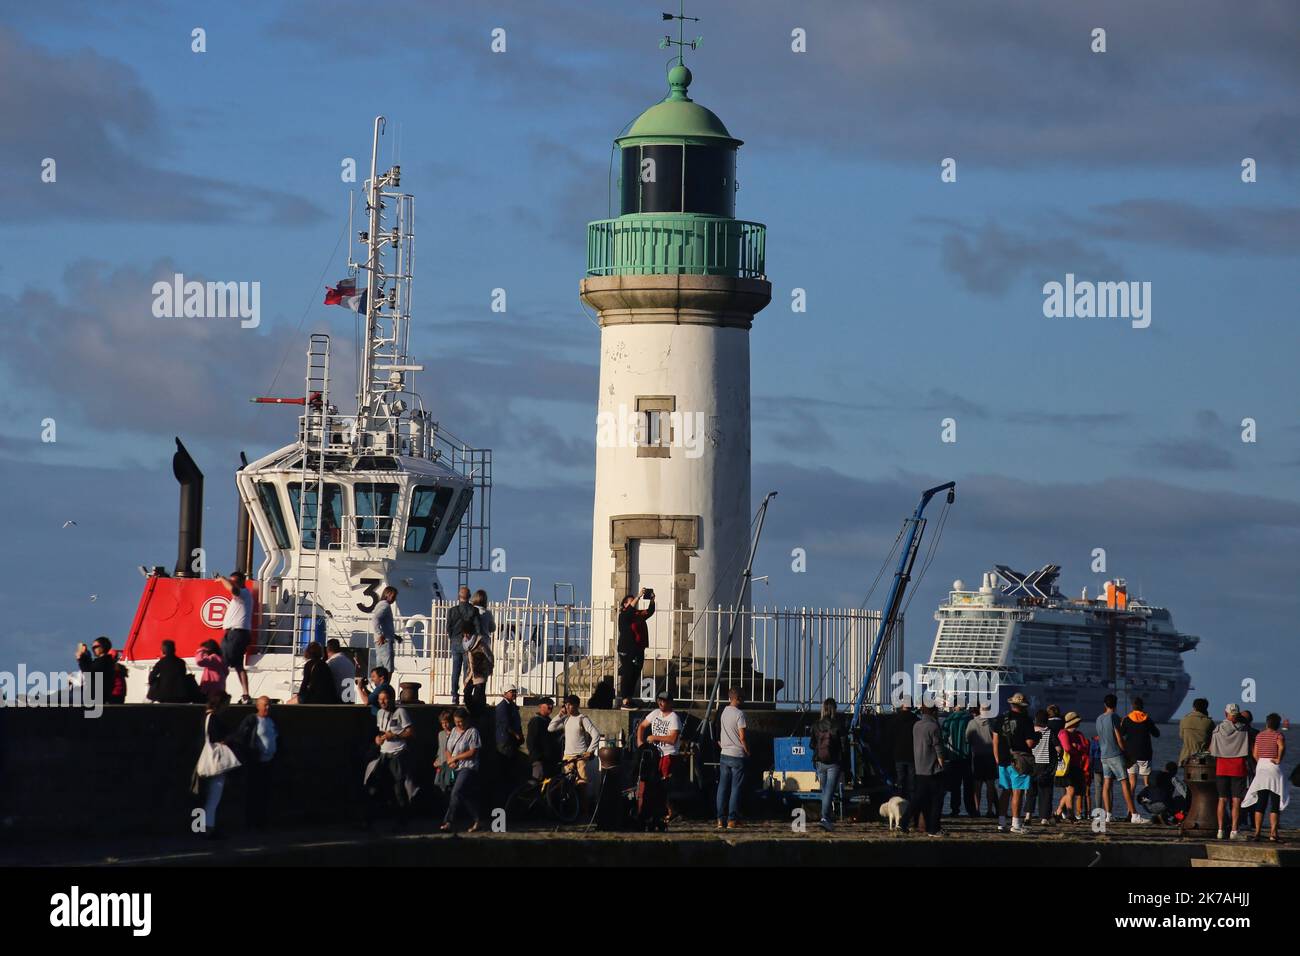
{"x":1020,"y":632}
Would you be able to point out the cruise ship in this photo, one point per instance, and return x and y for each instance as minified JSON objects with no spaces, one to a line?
{"x":1018,"y":632}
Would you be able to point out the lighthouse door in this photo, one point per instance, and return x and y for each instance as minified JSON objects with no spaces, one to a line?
{"x":652,"y":567}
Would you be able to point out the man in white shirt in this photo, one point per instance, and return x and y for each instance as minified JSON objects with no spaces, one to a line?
{"x":665,"y":726}
{"x":393,"y":729}
{"x":580,"y":737}
{"x":237,"y":621}
{"x":665,"y":729}
{"x":343,"y":668}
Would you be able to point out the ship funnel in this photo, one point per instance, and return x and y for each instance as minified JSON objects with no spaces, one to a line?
{"x":189,"y":536}
{"x":243,"y":530}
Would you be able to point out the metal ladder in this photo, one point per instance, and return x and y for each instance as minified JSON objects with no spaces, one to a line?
{"x":311,"y":491}
{"x":473,"y":536}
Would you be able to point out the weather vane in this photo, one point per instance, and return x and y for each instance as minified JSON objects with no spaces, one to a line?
{"x":681,"y":42}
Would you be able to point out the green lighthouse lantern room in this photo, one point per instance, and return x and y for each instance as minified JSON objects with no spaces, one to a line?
{"x":676,"y":196}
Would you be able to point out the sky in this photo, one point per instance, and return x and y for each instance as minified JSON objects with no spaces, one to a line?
{"x":924,"y":298}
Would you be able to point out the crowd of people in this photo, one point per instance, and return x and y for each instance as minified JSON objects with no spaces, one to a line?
{"x":1015,"y":767}
{"x":1019,"y":767}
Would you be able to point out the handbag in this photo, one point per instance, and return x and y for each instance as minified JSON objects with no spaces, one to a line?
{"x":1063,"y":768}
{"x":215,"y":759}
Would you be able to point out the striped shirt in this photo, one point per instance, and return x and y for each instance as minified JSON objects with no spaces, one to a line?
{"x":1268,"y":744}
{"x":1043,"y":749}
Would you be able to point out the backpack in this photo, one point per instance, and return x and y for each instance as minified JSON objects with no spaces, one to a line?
{"x":119,"y":681}
{"x":954,"y":734}
{"x":825,"y":743}
{"x":482,"y":663}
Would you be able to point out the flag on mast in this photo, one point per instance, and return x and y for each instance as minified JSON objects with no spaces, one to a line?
{"x":345,"y":294}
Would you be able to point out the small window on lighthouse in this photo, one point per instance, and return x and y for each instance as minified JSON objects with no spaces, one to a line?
{"x":655,"y":425}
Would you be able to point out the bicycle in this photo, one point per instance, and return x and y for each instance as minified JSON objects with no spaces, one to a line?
{"x":558,"y":794}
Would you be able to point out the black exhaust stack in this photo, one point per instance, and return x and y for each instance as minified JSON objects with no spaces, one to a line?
{"x":243,"y":531}
{"x":190,"y":527}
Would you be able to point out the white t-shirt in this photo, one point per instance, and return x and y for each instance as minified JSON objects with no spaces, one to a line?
{"x":345,"y":671}
{"x":267,"y":739}
{"x":395,"y":720}
{"x":237,"y":610}
{"x":732,"y":723}
{"x":661,"y":725}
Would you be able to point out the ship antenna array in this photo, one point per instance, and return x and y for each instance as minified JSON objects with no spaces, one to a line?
{"x":389,"y":241}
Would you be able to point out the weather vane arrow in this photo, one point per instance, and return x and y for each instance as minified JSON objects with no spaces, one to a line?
{"x":681,"y":42}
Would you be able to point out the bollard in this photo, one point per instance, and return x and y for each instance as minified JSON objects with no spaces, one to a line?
{"x":1202,"y":796}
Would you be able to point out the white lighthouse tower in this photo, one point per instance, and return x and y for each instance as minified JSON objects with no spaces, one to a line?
{"x":676,"y":281}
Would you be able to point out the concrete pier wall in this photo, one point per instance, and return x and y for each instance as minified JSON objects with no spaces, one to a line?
{"x":62,"y":775}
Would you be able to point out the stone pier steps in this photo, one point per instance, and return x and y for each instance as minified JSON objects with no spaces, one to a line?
{"x":1249,"y":854}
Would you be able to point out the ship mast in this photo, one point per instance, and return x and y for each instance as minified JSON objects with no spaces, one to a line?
{"x":384,"y":365}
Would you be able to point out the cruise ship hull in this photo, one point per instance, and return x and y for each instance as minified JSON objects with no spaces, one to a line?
{"x":1160,"y":704}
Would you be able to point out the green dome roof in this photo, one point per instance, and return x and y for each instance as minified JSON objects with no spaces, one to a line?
{"x":677,"y":117}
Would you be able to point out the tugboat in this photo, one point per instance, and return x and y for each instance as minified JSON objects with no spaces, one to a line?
{"x":354,"y":504}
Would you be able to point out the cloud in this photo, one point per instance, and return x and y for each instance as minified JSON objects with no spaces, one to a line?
{"x":1015,"y":84}
{"x":990,"y":259}
{"x":1189,"y":454}
{"x":814,"y":413}
{"x":95,"y":351}
{"x":1240,"y":229}
{"x":94,"y":118}
{"x":1210,"y":449}
{"x":1004,"y":83}
{"x":92,"y":350}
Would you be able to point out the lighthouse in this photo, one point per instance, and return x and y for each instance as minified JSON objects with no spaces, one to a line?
{"x":675,"y":280}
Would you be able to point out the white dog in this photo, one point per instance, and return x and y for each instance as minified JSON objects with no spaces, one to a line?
{"x":894,"y":811}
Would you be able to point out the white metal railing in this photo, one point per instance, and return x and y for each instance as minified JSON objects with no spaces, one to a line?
{"x":785,"y":657}
{"x":795,"y":657}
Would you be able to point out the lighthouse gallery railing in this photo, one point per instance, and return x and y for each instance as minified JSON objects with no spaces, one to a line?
{"x":653,"y":244}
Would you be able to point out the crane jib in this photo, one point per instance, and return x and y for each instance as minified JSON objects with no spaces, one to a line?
{"x":914,"y":528}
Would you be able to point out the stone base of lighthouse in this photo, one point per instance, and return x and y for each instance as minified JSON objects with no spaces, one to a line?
{"x":686,"y":678}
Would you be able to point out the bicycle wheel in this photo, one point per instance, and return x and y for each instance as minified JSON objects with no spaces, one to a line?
{"x":524,"y":799}
{"x":562,"y":800}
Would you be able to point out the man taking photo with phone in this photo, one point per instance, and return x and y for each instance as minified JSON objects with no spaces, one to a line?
{"x":633,"y":639}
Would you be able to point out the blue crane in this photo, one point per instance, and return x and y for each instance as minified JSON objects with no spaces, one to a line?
{"x":913,"y":528}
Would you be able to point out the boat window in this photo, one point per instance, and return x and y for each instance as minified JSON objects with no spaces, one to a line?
{"x":331,"y":515}
{"x":428,"y":506}
{"x":376,"y":507}
{"x":270,"y":502}
{"x":458,"y":510}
